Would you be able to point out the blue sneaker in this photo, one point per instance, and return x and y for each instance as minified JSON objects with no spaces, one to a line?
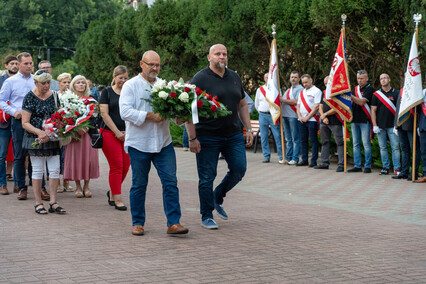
{"x":220,"y":211}
{"x":209,"y":223}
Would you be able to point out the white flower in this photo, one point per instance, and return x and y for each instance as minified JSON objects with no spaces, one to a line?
{"x":163,"y":95}
{"x":184,"y":97}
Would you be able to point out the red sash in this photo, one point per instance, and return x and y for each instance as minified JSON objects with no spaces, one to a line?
{"x":365,"y":106}
{"x":4,"y":116}
{"x":386,"y":101}
{"x":288,"y":98}
{"x":307,"y":107}
{"x":263,"y":91}
{"x":424,"y":108}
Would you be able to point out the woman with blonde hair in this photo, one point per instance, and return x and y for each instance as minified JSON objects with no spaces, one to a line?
{"x":81,"y":160}
{"x":39,"y":104}
{"x":64,"y":81}
{"x":113,"y":132}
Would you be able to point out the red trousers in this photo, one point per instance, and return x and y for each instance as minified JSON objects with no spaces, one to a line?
{"x":118,"y":160}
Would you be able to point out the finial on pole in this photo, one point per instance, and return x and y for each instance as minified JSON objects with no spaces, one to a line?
{"x":344,"y":17}
{"x":417,"y":17}
{"x":273,"y":30}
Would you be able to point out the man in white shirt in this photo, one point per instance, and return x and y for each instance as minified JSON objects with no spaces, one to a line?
{"x":307,"y":113}
{"x":265,"y":121}
{"x":148,"y":140}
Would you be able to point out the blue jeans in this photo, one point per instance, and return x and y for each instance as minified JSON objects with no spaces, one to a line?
{"x":361,"y":131}
{"x":292,"y":138}
{"x":165,"y":163}
{"x":406,"y":142}
{"x":383,"y":144}
{"x":265,"y":120}
{"x":309,"y":129}
{"x":185,"y":142}
{"x":19,"y":154}
{"x":233,"y":149}
{"x":5,"y":135}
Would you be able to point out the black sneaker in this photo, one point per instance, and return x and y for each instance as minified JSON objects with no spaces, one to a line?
{"x":340,"y":169}
{"x":311,"y":165}
{"x":367,"y":170}
{"x":321,"y":167}
{"x":384,"y":171}
{"x":400,"y":176}
{"x":355,"y":170}
{"x":301,"y":164}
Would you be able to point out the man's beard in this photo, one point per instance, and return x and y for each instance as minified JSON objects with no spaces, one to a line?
{"x":12,"y":71}
{"x":219,"y":65}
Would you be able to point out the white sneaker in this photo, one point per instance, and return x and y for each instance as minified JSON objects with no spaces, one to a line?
{"x":281,"y":161}
{"x":292,"y":163}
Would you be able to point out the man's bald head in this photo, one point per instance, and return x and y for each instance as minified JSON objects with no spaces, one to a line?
{"x":150,"y":64}
{"x":218,"y":57}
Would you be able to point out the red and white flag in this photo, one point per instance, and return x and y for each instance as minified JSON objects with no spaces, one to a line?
{"x":273,"y":91}
{"x":412,"y":91}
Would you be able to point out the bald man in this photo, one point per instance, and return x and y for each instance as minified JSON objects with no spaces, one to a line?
{"x":383,"y":109}
{"x":148,"y":141}
{"x":223,"y":135}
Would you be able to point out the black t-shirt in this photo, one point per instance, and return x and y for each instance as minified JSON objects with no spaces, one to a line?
{"x":229,"y":90}
{"x":358,"y":113}
{"x":384,"y":117}
{"x":332,"y":119}
{"x":111,"y":98}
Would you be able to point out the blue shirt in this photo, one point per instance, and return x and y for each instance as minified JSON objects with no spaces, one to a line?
{"x":54,"y":85}
{"x":94,"y":93}
{"x":14,"y":90}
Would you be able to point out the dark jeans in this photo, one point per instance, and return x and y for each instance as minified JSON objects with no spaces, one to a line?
{"x":19,"y":153}
{"x":165,"y":164}
{"x":406,"y":143}
{"x":309,"y":129}
{"x":233,"y":149}
{"x":185,"y":142}
{"x":423,"y":150}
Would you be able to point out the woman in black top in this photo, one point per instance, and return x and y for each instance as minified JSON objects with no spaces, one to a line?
{"x":113,"y":132}
{"x":38,"y":105}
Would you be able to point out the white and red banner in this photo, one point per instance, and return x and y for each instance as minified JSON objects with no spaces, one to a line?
{"x":412,"y":91}
{"x":273,"y":91}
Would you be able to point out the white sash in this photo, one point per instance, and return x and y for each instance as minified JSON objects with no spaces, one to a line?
{"x":386,"y":101}
{"x":364,"y":106}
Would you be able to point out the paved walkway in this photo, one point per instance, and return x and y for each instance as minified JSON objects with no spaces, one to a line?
{"x":287,"y":225}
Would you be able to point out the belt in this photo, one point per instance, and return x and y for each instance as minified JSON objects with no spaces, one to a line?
{"x":265,"y":112}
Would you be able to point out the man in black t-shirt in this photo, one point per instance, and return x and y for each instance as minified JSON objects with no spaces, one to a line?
{"x":361,"y":122}
{"x":330,"y":123}
{"x":223,"y":135}
{"x":383,"y":115}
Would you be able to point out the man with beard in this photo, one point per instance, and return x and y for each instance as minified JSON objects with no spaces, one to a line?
{"x":148,"y":140}
{"x":11,"y":65}
{"x":223,"y":135}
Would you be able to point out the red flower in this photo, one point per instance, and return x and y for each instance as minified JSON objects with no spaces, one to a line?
{"x":172,"y":95}
{"x":86,"y":102}
{"x":186,"y":89}
{"x":200,"y":104}
{"x":215,"y":98}
{"x":209,"y":97}
{"x":213,"y":108}
{"x":62,"y":113}
{"x":198,"y":91}
{"x":76,"y":113}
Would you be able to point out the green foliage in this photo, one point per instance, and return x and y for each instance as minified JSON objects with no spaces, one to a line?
{"x":176,"y":132}
{"x":67,"y":66}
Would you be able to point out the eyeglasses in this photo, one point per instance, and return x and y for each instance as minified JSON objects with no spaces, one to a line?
{"x":39,"y":72}
{"x":152,"y":65}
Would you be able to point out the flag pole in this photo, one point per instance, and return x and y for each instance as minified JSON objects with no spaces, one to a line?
{"x":416,"y":18}
{"x":278,"y":79}
{"x":343,"y":16}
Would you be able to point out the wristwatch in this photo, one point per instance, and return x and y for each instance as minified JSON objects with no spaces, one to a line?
{"x":250,"y":130}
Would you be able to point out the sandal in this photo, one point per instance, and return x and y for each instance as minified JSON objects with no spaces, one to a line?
{"x":41,"y":210}
{"x":60,"y":189}
{"x":68,"y":188}
{"x":87,"y":194}
{"x":79,"y":194}
{"x":9,"y":177}
{"x":57,"y":210}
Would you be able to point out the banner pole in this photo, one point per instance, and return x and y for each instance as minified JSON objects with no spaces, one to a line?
{"x":344,"y":146}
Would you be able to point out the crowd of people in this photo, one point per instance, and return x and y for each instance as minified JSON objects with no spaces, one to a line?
{"x":305,"y":111}
{"x":133,"y":135}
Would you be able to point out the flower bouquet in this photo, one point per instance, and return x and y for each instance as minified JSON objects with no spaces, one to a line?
{"x":182,"y":100}
{"x":72,"y":115}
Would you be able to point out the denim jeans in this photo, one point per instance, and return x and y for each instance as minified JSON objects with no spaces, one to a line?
{"x":233,"y":149}
{"x":423,"y":150}
{"x":19,"y":153}
{"x":5,"y":135}
{"x":185,"y":142}
{"x":361,"y":131}
{"x":265,"y":120}
{"x":383,"y":144}
{"x":309,"y":129}
{"x":406,"y":143}
{"x":165,"y":163}
{"x":292,"y":138}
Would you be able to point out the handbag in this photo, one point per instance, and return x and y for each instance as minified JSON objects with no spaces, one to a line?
{"x":97,"y":140}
